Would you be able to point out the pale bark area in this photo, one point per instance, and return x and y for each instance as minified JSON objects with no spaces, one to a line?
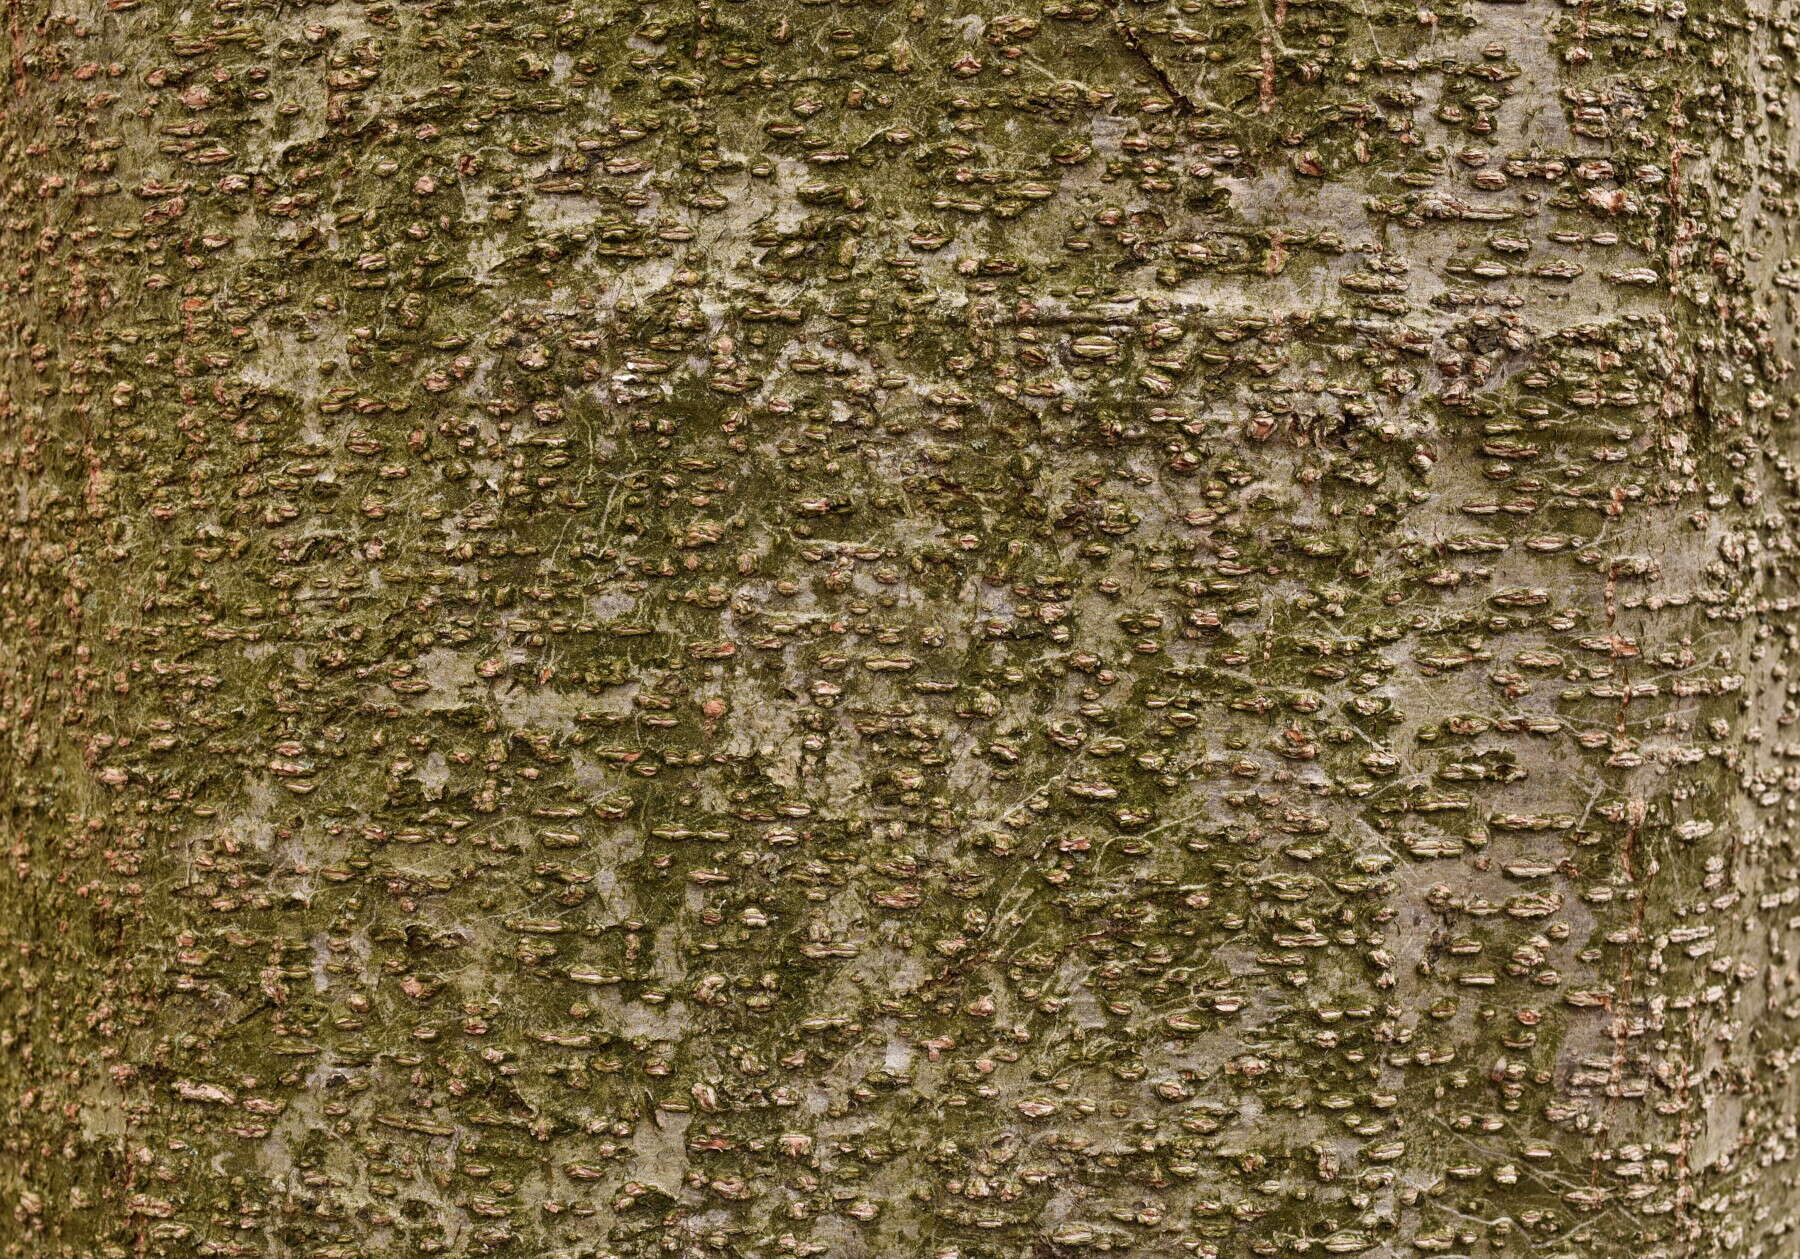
{"x":847,"y":629}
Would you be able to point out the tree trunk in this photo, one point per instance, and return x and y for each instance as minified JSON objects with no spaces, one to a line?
{"x":883,"y":630}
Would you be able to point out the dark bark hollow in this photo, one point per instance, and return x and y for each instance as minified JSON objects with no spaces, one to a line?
{"x":862,"y":629}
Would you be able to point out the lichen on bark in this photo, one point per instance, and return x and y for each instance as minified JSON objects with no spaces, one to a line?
{"x":856,"y":628}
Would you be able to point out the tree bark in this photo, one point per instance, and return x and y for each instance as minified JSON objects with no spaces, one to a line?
{"x":888,"y":629}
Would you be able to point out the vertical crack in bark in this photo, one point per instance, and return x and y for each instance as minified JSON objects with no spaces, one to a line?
{"x":1183,"y":102}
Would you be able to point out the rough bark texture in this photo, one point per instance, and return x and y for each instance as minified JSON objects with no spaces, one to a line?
{"x":882,"y":629}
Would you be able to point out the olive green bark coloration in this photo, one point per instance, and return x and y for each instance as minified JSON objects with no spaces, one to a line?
{"x":880,"y":629}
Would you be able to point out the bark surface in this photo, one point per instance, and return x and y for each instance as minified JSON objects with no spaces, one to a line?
{"x":887,"y":629}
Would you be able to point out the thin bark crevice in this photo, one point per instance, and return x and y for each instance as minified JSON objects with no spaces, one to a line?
{"x":1129,"y":35}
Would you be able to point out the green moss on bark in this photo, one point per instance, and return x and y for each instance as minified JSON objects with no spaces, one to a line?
{"x":867,"y":629}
